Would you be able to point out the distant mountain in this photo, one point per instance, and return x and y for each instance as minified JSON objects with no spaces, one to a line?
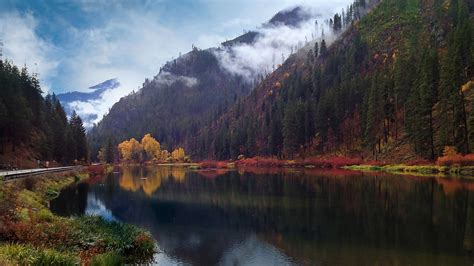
{"x":70,"y":99}
{"x":98,"y":89}
{"x":291,"y":17}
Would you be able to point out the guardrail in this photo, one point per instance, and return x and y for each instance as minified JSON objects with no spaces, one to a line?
{"x":10,"y":175}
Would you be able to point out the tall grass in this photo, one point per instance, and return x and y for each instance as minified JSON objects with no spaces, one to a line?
{"x":16,"y":254}
{"x":106,"y":259}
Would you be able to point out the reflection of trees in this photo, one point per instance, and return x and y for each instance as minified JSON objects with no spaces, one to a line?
{"x":149,"y":179}
{"x":300,"y":212}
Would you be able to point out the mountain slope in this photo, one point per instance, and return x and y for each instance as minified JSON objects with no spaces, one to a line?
{"x":390,"y":87}
{"x":173,"y":105}
{"x":187,"y":93}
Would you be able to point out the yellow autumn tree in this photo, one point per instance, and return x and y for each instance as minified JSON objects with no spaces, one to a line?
{"x":125,"y":149}
{"x":178,"y":154}
{"x":164,"y":155}
{"x":101,"y":155}
{"x":151,"y":146}
{"x":130,"y":149}
{"x":137,"y":149}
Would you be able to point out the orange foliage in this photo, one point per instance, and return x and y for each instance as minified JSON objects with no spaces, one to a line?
{"x":456,"y":160}
{"x":449,"y":150}
{"x":260,"y":162}
{"x":97,"y":169}
{"x":317,"y":162}
{"x":213,"y":165}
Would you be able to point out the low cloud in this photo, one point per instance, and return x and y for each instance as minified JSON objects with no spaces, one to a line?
{"x":274,"y":44}
{"x":167,"y":79}
{"x":132,"y":43}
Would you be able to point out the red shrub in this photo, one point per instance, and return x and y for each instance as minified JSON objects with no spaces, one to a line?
{"x":40,"y":233}
{"x":213,"y":165}
{"x":260,"y":162}
{"x":208,"y":164}
{"x":96,"y":169}
{"x":456,"y":160}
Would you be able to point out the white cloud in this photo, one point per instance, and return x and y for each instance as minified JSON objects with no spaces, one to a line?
{"x":275,"y":44}
{"x":132,"y":44}
{"x":23,"y":46}
{"x":167,"y":79}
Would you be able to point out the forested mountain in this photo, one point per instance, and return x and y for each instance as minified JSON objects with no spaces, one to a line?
{"x":32,"y":127}
{"x":187,"y":94}
{"x":398,"y":82}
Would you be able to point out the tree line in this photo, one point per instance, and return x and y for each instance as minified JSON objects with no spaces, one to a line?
{"x":30,"y":122}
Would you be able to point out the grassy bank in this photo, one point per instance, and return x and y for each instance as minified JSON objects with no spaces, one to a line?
{"x":445,"y":166}
{"x":419,"y":170}
{"x":31,"y":235}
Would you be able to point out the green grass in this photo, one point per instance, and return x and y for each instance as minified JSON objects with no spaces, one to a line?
{"x":47,"y":239}
{"x":419,"y":170}
{"x":17,"y":254}
{"x":129,"y":241}
{"x":106,"y":259}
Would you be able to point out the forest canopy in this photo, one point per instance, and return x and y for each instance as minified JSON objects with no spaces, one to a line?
{"x":33,"y":127}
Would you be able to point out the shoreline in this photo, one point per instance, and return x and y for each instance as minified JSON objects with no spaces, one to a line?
{"x":435,"y":170}
{"x":31,"y":234}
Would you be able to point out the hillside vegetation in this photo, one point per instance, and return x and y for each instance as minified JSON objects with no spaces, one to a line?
{"x":32,"y":127}
{"x":397,"y":85}
{"x":187,"y":94}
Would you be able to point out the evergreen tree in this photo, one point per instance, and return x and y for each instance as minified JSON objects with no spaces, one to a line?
{"x":323,"y":48}
{"x":373,"y":117}
{"x":109,"y":152}
{"x":316,"y":50}
{"x":32,"y":122}
{"x":428,"y":96}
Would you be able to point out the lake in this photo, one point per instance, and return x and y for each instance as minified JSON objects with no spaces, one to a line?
{"x":285,"y":217}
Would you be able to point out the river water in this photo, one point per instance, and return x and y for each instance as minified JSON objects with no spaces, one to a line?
{"x":285,"y":217}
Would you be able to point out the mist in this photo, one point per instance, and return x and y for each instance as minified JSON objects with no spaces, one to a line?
{"x":275,"y":43}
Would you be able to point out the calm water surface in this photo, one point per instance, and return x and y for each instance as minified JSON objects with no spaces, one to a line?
{"x":271,"y":217}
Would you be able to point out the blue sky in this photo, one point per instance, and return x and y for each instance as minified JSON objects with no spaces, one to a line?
{"x":74,"y":45}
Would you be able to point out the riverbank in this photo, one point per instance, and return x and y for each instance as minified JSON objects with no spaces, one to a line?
{"x":418,"y":170}
{"x":445,"y":166}
{"x":30,"y":234}
{"x":452,"y":165}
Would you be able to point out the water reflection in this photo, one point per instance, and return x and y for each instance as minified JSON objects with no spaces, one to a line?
{"x":96,"y":207}
{"x":270,"y":217}
{"x":150,"y":178}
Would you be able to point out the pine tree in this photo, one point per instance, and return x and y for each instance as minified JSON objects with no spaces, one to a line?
{"x":428,"y":96}
{"x":373,"y":117}
{"x":316,"y":50}
{"x":323,"y":48}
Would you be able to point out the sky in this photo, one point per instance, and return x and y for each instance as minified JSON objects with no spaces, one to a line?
{"x":76,"y":44}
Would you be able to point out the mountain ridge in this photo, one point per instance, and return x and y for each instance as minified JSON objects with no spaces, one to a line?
{"x":213,"y":90}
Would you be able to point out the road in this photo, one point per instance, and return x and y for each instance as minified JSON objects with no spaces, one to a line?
{"x":8,"y":175}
